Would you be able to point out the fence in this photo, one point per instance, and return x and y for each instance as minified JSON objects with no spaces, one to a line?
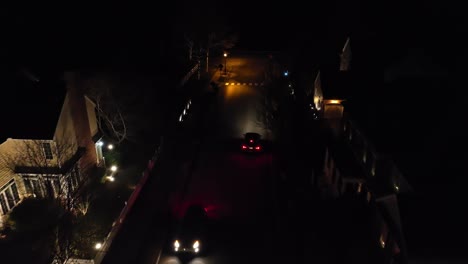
{"x":128,"y":205}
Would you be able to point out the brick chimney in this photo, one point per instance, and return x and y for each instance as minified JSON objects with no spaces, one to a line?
{"x":79,"y":115}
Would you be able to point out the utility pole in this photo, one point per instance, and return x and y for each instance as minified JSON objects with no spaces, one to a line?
{"x":225,"y":63}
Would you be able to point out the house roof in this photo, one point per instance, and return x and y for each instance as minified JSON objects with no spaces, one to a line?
{"x":31,"y":105}
{"x":65,"y":168}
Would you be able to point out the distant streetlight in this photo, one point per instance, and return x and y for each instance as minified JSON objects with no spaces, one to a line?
{"x":113,"y":168}
{"x":110,"y":146}
{"x":225,"y":62}
{"x":98,"y":246}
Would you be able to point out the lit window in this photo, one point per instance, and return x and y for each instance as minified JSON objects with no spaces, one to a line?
{"x":38,"y":189}
{"x":47,"y":150}
{"x":9,"y":197}
{"x":29,"y":186}
{"x":14,"y":190}
{"x":3,"y":204}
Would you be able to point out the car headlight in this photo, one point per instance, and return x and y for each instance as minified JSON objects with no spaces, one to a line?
{"x":196,"y":244}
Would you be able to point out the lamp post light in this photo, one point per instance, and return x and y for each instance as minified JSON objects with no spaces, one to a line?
{"x":98,"y":246}
{"x":225,"y":62}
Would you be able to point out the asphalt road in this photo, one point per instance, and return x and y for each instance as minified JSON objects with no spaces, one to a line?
{"x":256,"y":217}
{"x":235,"y":188}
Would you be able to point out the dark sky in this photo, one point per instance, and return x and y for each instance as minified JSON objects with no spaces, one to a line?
{"x":45,"y":40}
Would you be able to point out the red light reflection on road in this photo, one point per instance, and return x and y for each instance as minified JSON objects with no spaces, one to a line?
{"x":213,"y":210}
{"x":225,"y":190}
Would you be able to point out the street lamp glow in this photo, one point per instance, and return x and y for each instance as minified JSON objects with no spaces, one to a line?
{"x":113,"y":168}
{"x":225,"y":54}
{"x":98,"y":246}
{"x":110,"y":178}
{"x":100,"y":143}
{"x":110,"y":146}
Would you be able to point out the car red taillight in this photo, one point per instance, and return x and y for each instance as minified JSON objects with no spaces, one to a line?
{"x":244,"y":147}
{"x":251,"y":141}
{"x":257,"y":148}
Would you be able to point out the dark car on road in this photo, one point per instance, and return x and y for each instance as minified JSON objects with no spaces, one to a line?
{"x":251,"y":142}
{"x":190,"y":235}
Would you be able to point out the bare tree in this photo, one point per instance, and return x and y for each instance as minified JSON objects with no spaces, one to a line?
{"x":267,"y":109}
{"x":49,"y":169}
{"x":83,"y":203}
{"x":206,"y":26}
{"x":220,"y":40}
{"x":272,"y":96}
{"x":111,"y":113}
{"x":125,"y":102}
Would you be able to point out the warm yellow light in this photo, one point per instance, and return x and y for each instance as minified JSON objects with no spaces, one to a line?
{"x":110,"y":146}
{"x":113,"y":168}
{"x":98,"y":246}
{"x":334,"y":101}
{"x":225,"y":54}
{"x":382,"y":244}
{"x":196,"y":244}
